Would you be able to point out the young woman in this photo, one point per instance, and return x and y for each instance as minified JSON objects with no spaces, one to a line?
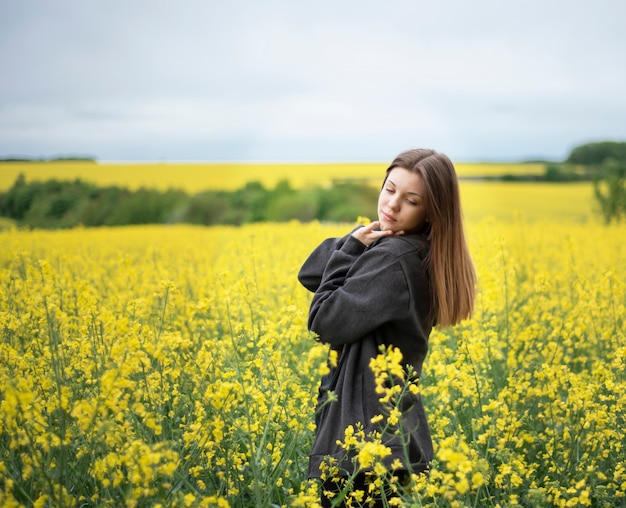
{"x":387,"y":284}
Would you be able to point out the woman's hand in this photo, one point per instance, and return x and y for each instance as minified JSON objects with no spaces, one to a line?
{"x":368,"y":234}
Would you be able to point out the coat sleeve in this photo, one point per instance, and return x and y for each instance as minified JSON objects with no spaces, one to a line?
{"x":361,"y":289}
{"x":310,"y":274}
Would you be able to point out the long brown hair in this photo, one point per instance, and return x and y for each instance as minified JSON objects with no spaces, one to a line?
{"x":452,"y":275}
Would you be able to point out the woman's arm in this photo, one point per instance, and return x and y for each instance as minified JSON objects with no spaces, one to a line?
{"x":360,"y":290}
{"x":310,"y":275}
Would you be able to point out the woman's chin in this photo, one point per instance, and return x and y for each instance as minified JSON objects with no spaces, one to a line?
{"x":385,"y":226}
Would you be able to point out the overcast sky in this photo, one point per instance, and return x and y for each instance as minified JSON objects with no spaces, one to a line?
{"x":323,"y":80}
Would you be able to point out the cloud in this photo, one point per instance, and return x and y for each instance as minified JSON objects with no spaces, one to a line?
{"x":342,"y":80}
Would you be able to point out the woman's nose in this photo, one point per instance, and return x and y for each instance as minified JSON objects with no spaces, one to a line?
{"x":394,"y":203}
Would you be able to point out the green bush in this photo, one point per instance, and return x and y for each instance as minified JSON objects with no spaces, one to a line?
{"x":207,"y":208}
{"x":606,"y":162}
{"x":345,"y":201}
{"x":562,"y":173}
{"x":147,"y":207}
{"x":610,"y":190}
{"x":285,"y":206}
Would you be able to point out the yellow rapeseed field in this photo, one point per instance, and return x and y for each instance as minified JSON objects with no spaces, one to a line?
{"x":171,"y":366}
{"x":525,"y":201}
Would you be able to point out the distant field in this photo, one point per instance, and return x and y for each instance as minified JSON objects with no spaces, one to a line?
{"x":502,"y":200}
{"x":530,"y":201}
{"x":227,"y":176}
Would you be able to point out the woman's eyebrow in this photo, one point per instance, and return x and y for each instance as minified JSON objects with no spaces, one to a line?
{"x":408,"y":192}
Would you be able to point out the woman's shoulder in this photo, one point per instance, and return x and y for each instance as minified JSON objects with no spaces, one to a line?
{"x":403,"y":245}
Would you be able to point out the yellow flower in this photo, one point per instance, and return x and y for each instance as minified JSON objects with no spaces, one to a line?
{"x":371,"y":452}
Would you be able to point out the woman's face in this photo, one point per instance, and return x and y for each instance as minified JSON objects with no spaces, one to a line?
{"x":402,"y":202}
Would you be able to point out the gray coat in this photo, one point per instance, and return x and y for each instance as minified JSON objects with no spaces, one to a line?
{"x":367,"y":297}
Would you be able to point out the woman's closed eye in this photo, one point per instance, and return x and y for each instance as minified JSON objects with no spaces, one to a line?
{"x":393,"y":191}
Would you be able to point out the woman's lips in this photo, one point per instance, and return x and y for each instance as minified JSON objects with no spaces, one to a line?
{"x":387,"y":217}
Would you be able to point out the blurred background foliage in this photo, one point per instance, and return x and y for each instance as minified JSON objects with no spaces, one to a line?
{"x":63,"y":204}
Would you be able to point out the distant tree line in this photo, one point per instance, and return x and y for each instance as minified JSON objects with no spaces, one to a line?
{"x":61,"y":158}
{"x":64,"y":204}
